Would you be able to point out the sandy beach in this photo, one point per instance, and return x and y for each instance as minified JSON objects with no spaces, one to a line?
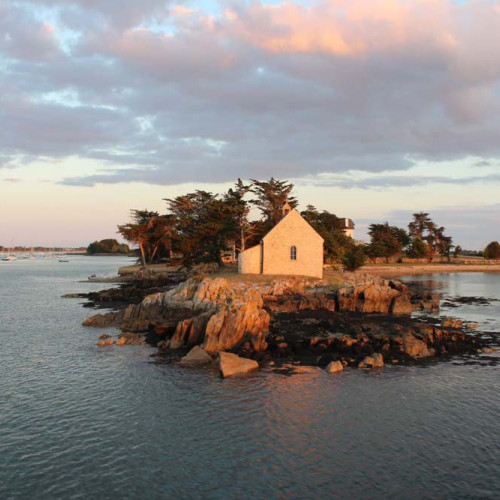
{"x":391,"y":270}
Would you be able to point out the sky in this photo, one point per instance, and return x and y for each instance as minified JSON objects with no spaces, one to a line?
{"x":374,"y":109}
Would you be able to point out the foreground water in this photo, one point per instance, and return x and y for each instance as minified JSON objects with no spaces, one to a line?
{"x":78,"y":421}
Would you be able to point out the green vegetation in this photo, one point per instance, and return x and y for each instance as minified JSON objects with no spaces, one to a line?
{"x":203,"y":226}
{"x":206,"y":227}
{"x":492,"y":250}
{"x":329,"y":227}
{"x":386,"y":241}
{"x":108,"y":246}
{"x":354,"y":259}
{"x":437,"y":242}
{"x":424,"y":239}
{"x":417,"y":249}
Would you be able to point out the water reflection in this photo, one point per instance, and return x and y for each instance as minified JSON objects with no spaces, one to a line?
{"x":482,"y":290}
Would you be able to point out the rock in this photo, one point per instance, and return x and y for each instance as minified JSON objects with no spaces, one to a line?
{"x":487,"y":350}
{"x":232,"y":326}
{"x":131,"y":338}
{"x":451,"y":323}
{"x":471,"y":326}
{"x":376,"y":360}
{"x":104,"y":320}
{"x":231,"y":364}
{"x":401,"y":304}
{"x":301,"y":370}
{"x":105,"y":342}
{"x":195,"y":357}
{"x":190,"y":332}
{"x":334,"y":367}
{"x":414,"y":347}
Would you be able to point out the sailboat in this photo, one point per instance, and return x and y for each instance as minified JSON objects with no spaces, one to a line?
{"x":10,"y":256}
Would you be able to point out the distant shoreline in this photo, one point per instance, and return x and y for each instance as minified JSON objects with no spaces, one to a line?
{"x":391,"y":270}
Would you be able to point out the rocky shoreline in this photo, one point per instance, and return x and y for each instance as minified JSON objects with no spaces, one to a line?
{"x":287,"y":322}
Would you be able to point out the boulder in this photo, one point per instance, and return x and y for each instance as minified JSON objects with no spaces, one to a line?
{"x":105,"y":342}
{"x":334,"y":367}
{"x":131,"y":338}
{"x":231,"y":364}
{"x":195,"y":357}
{"x":190,"y":332}
{"x":401,"y":304}
{"x":376,"y":360}
{"x":451,"y":323}
{"x":414,"y":347}
{"x":104,"y":320}
{"x":232,"y":326}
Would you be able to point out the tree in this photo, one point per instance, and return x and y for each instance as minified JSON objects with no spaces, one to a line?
{"x":386,"y":241}
{"x":354,"y":259}
{"x":492,"y":250}
{"x":239,"y":208}
{"x":457,"y":251}
{"x":417,"y":249}
{"x":423,"y":227}
{"x":203,"y":222}
{"x":138,"y":231}
{"x":160,"y":230}
{"x":107,"y":246}
{"x":271,"y":197}
{"x":329,"y":227}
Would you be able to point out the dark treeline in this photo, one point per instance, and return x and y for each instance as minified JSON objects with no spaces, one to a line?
{"x":109,"y":245}
{"x":424,"y":239}
{"x":203,"y":226}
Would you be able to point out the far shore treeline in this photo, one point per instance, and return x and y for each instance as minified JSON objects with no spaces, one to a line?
{"x":206,"y":227}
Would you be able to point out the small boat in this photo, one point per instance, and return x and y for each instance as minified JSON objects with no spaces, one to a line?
{"x":63,"y":260}
{"x":9,"y":257}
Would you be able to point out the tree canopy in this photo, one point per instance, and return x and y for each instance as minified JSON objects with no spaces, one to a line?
{"x":386,"y":241}
{"x":107,"y":246}
{"x":424,"y":228}
{"x":492,"y":250}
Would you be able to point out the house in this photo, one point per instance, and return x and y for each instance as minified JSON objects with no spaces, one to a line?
{"x":292,"y":247}
{"x":347,"y":227}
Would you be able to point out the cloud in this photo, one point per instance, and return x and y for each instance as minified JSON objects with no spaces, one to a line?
{"x":387,"y":181}
{"x":22,"y":37}
{"x":162,"y":94}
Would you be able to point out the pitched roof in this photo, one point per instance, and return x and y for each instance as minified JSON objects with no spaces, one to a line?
{"x":293,"y":213}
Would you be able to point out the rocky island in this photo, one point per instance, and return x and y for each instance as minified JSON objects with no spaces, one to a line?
{"x":360,"y":321}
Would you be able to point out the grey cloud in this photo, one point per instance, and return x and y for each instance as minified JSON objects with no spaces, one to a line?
{"x":384,"y":182}
{"x":208,"y":103}
{"x":22,"y":37}
{"x":12,"y":179}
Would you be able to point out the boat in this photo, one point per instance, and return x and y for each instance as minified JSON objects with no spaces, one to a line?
{"x":63,"y":260}
{"x":9,"y":258}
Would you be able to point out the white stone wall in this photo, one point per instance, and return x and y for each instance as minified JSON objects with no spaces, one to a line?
{"x":293,"y":230}
{"x":249,"y":261}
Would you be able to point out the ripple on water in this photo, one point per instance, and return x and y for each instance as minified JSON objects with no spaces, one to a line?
{"x":82,"y":422}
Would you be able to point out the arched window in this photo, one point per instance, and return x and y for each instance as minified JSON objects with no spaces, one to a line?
{"x":293,"y":253}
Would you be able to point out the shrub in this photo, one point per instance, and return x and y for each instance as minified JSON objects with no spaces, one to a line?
{"x":492,"y":250}
{"x":354,"y":259}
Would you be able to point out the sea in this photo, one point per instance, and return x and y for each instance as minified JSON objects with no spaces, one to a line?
{"x":79,"y":421}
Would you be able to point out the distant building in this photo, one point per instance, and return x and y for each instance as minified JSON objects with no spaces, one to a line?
{"x":347,"y":227}
{"x":292,"y":247}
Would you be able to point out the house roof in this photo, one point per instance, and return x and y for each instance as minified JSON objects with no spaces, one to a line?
{"x":293,"y":213}
{"x":348,"y":223}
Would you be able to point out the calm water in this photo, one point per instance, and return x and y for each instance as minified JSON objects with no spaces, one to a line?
{"x":77,"y":421}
